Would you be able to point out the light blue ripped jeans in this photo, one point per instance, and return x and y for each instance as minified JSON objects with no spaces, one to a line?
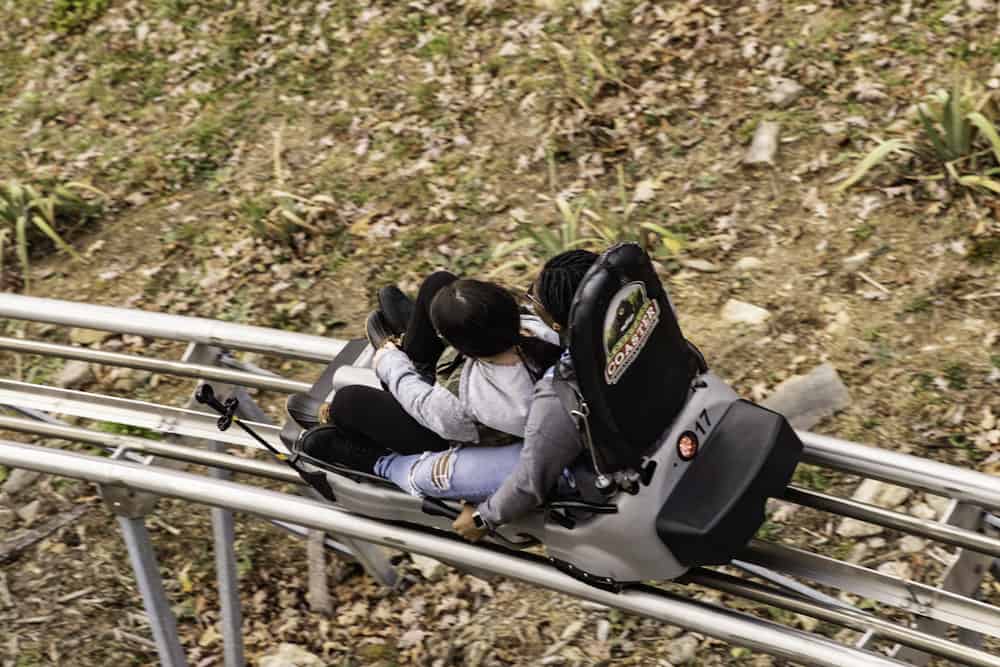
{"x":461,"y":473}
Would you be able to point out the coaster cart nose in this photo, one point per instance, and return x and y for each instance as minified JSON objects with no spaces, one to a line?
{"x":719,"y":503}
{"x":692,"y":510}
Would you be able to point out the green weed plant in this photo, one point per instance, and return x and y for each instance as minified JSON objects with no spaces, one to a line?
{"x":959,"y":135}
{"x":603,"y":228}
{"x":75,"y":15}
{"x":28,"y":214}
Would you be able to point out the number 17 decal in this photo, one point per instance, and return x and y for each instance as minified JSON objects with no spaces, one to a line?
{"x":703,"y":423}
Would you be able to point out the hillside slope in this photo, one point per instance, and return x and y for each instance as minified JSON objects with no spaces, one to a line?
{"x":275,"y":163}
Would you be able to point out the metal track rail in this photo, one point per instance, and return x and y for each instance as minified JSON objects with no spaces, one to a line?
{"x":902,"y":469}
{"x":934,"y":530}
{"x":205,"y":457}
{"x":930,"y":605}
{"x":176,"y":421}
{"x":172,"y":327}
{"x":910,"y":596}
{"x":855,"y":620}
{"x":728,"y":625}
{"x":164,"y":366}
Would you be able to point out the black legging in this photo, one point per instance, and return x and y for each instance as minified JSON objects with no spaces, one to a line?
{"x":374,"y":416}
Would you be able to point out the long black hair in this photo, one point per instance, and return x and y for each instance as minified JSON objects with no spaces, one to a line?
{"x":482,"y":319}
{"x":556,"y":284}
{"x":477,"y":318}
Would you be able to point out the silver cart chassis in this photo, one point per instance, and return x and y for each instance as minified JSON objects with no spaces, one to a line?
{"x":142,"y":469}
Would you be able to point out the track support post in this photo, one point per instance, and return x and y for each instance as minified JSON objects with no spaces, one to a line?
{"x":964,"y":576}
{"x":131,"y":508}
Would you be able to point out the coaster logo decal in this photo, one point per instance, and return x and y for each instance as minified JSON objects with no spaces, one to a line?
{"x":628,"y":323}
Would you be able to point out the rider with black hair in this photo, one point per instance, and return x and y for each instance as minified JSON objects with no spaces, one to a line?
{"x":484,"y":401}
{"x":509,"y":481}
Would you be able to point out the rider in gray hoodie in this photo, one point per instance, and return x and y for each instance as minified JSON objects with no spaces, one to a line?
{"x":550,"y":456}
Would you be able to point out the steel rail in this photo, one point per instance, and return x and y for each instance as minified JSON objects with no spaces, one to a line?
{"x":176,"y":421}
{"x":205,"y":457}
{"x":728,"y":625}
{"x":163,"y":366}
{"x":173,"y":327}
{"x":194,"y":423}
{"x":909,"y":596}
{"x":853,"y":619}
{"x":934,"y":530}
{"x":965,"y":485}
{"x":968,"y":486}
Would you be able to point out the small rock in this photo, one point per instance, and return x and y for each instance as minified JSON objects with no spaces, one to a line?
{"x":764,"y":146}
{"x":603,"y":630}
{"x":430,"y":569}
{"x":939,"y":504}
{"x":876,"y":542}
{"x":912,"y":544}
{"x":113,"y":345}
{"x":29,"y":512}
{"x":923,"y":511}
{"x":18,"y":481}
{"x":748,"y":264}
{"x":7,"y":519}
{"x":672,"y":631}
{"x":701,"y":265}
{"x":75,"y":374}
{"x":740,"y":312}
{"x":895,"y":569}
{"x":88,"y":336}
{"x":571,"y":631}
{"x":587,"y":605}
{"x":874,"y":492}
{"x":682,"y":651}
{"x":134,"y":342}
{"x":475,"y":653}
{"x":853,"y":528}
{"x":785,"y":92}
{"x":784,"y":512}
{"x":841,"y":321}
{"x":290,"y":655}
{"x":805,"y":400}
{"x":807,"y":623}
{"x":858,"y":553}
{"x":855,"y":262}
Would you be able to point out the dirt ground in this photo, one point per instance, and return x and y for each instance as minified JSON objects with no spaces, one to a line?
{"x":275,"y":164}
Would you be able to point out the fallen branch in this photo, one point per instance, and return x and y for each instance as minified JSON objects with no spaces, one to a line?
{"x":874,"y":283}
{"x":11,"y":549}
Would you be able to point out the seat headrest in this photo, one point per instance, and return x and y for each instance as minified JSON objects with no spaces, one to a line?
{"x":631,"y":361}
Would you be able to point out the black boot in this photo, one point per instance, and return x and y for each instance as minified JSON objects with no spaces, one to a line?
{"x":330,"y":445}
{"x":378,"y":329}
{"x":304,"y":410}
{"x":397,"y":308}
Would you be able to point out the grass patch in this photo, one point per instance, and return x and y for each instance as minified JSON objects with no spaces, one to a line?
{"x":957,"y":376}
{"x":76,"y":15}
{"x":811,"y":477}
{"x":127,"y":430}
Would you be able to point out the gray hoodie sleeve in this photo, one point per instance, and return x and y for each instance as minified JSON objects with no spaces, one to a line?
{"x":433,"y":406}
{"x":551,"y":443}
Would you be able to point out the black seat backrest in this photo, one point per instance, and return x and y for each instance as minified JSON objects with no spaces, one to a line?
{"x":631,"y":362}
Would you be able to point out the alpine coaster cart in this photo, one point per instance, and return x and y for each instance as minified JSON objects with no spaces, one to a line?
{"x":683,"y":469}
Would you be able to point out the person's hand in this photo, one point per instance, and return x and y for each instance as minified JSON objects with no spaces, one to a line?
{"x":465,"y":527}
{"x":387,"y":345}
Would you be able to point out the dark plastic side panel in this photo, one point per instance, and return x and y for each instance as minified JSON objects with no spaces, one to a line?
{"x":321,"y":388}
{"x":719,"y":503}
